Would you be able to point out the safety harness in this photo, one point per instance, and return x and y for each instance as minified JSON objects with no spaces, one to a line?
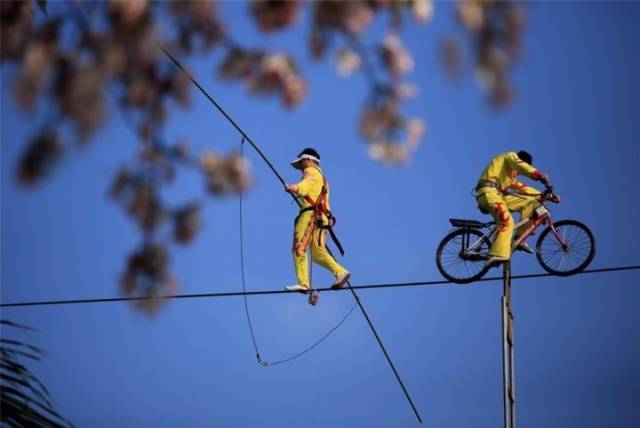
{"x":320,"y":209}
{"x":488,"y":183}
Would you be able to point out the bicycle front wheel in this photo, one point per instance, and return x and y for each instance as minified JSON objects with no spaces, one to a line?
{"x":461,"y":256}
{"x":566,"y":251}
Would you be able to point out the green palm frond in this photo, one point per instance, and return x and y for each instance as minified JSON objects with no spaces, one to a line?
{"x":24,"y":400}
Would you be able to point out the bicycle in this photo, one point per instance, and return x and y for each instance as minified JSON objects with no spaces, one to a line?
{"x":564,"y":248}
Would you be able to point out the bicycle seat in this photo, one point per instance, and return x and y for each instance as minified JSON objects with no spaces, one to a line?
{"x":474,"y":224}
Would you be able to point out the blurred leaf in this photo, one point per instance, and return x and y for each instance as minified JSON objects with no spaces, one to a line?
{"x":17,"y":343}
{"x":40,"y":158}
{"x":11,"y":351}
{"x":42,"y":4}
{"x":16,"y":325}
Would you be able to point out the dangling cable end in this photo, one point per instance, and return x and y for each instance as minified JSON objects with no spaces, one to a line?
{"x":262,"y":362}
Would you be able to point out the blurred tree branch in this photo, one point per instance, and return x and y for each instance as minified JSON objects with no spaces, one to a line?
{"x":72,"y":55}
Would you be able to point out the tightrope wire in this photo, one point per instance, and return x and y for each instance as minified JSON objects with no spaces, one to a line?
{"x":270,"y":292}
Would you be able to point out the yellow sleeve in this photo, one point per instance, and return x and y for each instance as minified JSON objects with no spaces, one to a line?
{"x":521,"y":166}
{"x":310,"y":179}
{"x":523,"y":189}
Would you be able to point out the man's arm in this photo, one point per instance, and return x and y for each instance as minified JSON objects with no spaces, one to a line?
{"x":303,"y":187}
{"x":523,"y":189}
{"x":521,"y":166}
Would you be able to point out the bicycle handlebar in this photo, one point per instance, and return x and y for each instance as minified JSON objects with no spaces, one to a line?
{"x":547,"y":194}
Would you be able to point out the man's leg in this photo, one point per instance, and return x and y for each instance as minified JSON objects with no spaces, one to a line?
{"x":320,"y":255}
{"x":525,"y":205}
{"x":495,"y":204}
{"x":299,"y":252}
{"x":302,"y":269}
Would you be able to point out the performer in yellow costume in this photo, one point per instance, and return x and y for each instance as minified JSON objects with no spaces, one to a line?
{"x":499,"y":177}
{"x":312,"y":222}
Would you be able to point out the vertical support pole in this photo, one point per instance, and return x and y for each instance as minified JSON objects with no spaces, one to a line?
{"x":509,"y":394}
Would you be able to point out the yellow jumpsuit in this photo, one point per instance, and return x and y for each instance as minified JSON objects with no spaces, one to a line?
{"x":503,"y":170}
{"x":310,"y":187}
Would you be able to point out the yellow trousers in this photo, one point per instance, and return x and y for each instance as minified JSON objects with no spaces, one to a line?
{"x":500,"y":207}
{"x":319,"y":252}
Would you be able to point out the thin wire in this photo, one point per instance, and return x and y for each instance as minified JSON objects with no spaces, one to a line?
{"x":244,"y":286}
{"x":386,"y":354}
{"x":382,"y":347}
{"x":301,"y":353}
{"x":268,"y":292}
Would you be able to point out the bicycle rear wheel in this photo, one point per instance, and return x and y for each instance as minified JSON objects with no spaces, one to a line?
{"x":569,"y":254}
{"x":461,"y":256}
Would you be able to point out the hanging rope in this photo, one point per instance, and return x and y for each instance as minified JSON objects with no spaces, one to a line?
{"x":259,"y":358}
{"x":244,"y":286}
{"x":319,"y":341}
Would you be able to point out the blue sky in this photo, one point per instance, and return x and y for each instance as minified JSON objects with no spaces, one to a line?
{"x":577,"y":339}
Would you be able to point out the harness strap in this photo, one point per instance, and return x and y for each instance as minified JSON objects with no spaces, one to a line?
{"x":319,"y":207}
{"x":334,"y":238}
{"x":304,"y":210}
{"x":321,"y":202}
{"x":487,"y":183}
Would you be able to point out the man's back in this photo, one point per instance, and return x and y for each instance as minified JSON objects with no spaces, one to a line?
{"x":504,"y":168}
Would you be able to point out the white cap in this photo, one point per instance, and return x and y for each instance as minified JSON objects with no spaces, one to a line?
{"x":304,"y":156}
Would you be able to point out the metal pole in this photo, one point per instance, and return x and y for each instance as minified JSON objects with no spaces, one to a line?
{"x":508,"y":374}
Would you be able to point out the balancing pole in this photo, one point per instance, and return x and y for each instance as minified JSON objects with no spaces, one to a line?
{"x":509,"y":393}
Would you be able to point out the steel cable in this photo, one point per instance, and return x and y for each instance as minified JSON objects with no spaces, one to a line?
{"x":270,"y":292}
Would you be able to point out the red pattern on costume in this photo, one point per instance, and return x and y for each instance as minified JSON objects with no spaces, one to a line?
{"x":536,"y":175}
{"x":504,"y":217}
{"x":300,"y":246}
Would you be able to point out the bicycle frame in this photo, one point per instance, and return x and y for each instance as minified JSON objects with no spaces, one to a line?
{"x":543,"y":216}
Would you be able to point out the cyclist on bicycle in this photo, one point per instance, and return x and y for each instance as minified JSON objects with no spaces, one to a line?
{"x":499,"y":193}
